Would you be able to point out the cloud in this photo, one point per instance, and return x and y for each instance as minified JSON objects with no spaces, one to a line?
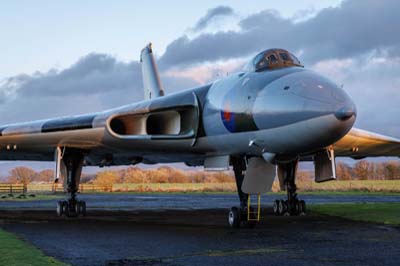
{"x":206,"y":73}
{"x":374,"y":85}
{"x":352,"y":29}
{"x":92,"y":74}
{"x":304,"y":14}
{"x":94,"y":83}
{"x":212,"y":15}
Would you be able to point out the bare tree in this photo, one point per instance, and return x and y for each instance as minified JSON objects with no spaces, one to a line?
{"x":21,"y":174}
{"x":107,"y":178}
{"x":343,"y":171}
{"x":43,"y":176}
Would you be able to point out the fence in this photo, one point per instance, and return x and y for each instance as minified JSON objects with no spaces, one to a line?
{"x":175,"y":187}
{"x":13,"y":188}
{"x":58,"y":187}
{"x":139,"y":187}
{"x":355,"y":185}
{"x":94,"y":188}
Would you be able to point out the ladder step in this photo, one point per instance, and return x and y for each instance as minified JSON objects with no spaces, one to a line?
{"x":251,"y":213}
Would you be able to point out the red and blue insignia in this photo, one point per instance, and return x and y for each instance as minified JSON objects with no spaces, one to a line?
{"x":228,"y":118}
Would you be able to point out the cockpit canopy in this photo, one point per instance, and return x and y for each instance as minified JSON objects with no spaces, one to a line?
{"x":272,"y":59}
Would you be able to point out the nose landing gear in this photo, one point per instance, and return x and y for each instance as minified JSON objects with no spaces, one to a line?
{"x":245,"y":215}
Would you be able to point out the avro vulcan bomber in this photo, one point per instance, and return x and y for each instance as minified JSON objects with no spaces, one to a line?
{"x":261,"y":122}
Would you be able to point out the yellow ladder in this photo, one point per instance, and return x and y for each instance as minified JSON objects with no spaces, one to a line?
{"x":254,"y":215}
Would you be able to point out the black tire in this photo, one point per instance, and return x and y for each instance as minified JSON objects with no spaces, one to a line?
{"x":234,"y":217}
{"x":286,"y":208}
{"x":296,"y":208}
{"x":66,"y":208}
{"x":276,"y":207}
{"x":77,"y":208}
{"x":60,"y":210}
{"x":302,"y":205}
{"x":282,"y":207}
{"x":82,"y":209}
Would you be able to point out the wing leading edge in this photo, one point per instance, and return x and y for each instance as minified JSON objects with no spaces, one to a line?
{"x":359,"y":144}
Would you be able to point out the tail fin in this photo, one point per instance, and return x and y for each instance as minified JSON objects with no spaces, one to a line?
{"x":151,"y":80}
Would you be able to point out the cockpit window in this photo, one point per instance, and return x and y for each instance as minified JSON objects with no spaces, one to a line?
{"x":260,"y":62}
{"x":295,"y":60}
{"x":284,"y":56}
{"x":273,"y":59}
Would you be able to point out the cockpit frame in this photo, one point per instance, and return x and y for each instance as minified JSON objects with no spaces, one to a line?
{"x":272,"y":59}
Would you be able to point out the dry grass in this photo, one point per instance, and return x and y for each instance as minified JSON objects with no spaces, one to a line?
{"x":355,"y":185}
{"x":175,"y":187}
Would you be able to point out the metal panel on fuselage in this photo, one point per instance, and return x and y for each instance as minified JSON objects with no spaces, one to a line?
{"x":230,"y":102}
{"x":288,"y":110}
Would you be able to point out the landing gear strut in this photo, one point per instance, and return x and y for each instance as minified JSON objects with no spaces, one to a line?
{"x":73,"y":161}
{"x":239,"y":216}
{"x":291,"y":206}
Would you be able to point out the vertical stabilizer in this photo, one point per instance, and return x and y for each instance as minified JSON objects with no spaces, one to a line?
{"x":151,"y":80}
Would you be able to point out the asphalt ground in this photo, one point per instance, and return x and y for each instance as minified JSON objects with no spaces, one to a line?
{"x":133,"y":201}
{"x":189,"y":229}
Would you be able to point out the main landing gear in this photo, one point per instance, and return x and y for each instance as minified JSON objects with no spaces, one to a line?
{"x":71,"y":208}
{"x":73,"y":162}
{"x":291,"y":206}
{"x":243,"y":215}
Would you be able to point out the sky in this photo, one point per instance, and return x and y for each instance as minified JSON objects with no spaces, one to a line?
{"x":70,"y":57}
{"x":40,"y":35}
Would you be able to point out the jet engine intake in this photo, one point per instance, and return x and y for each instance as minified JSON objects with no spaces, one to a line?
{"x":173,"y":123}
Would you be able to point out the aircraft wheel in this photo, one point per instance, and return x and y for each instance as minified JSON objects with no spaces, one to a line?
{"x":60,"y":210}
{"x":283,"y":207}
{"x":276,"y":207}
{"x":82,"y":208}
{"x":66,"y":208}
{"x":295,"y":207}
{"x":77,"y":208}
{"x":234,"y":217}
{"x":302,"y":207}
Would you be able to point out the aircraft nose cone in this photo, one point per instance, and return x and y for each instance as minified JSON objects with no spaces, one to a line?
{"x":345,"y":113}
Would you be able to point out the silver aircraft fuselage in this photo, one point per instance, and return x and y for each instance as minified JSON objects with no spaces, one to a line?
{"x":284,"y":111}
{"x":287,"y":111}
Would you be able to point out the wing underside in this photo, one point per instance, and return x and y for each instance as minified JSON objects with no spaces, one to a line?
{"x":360,"y":144}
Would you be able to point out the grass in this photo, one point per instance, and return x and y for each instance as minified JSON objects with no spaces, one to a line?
{"x":384,"y":213}
{"x":338,"y":187}
{"x":347,"y":193}
{"x":352,"y":185}
{"x":27,"y":197}
{"x":176,"y":187}
{"x":15,"y":252}
{"x":281,"y":193}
